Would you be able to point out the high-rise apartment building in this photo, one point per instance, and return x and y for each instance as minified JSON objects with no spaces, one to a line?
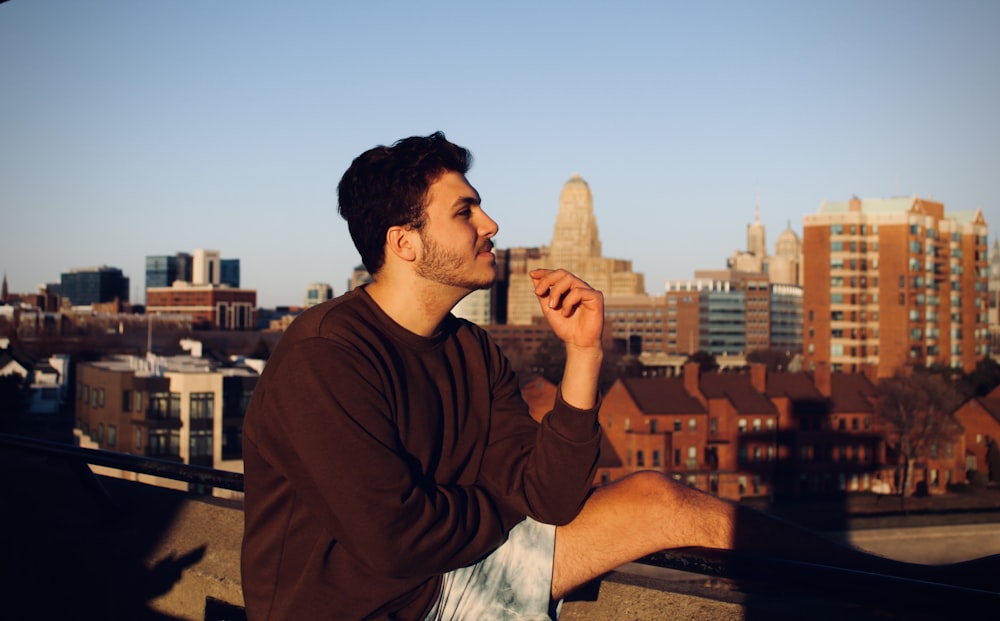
{"x":993,"y":286}
{"x":93,"y":285}
{"x":575,"y":247}
{"x":892,"y":282}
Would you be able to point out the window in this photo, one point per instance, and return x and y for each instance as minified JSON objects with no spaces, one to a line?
{"x":138,"y":439}
{"x":112,"y":436}
{"x":677,"y":424}
{"x":656,"y":459}
{"x":138,"y":401}
{"x":126,"y":400}
{"x":654,"y":426}
{"x":202,"y":405}
{"x":693,"y":424}
{"x":164,"y":442}
{"x":640,"y":459}
{"x":201,"y":443}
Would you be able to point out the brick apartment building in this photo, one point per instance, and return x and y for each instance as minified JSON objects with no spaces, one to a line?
{"x":980,"y":421}
{"x":741,"y":435}
{"x":892,"y":282}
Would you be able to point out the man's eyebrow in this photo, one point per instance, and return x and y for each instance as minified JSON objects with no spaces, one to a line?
{"x":467,"y":201}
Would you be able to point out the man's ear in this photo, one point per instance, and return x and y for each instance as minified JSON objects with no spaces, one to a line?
{"x":400,"y":241}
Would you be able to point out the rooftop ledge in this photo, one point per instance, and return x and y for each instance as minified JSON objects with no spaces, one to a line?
{"x":81,"y":546}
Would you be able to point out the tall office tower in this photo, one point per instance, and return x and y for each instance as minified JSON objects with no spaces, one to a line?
{"x":163,"y":270}
{"x":475,"y":307}
{"x":205,"y":268}
{"x":785,"y":267}
{"x":93,"y":285}
{"x":575,"y":247}
{"x":892,"y":282}
{"x":317,"y":293}
{"x":229,"y":272}
{"x":359,"y":277}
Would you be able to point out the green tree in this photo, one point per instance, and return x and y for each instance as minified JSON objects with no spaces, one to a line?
{"x":916,"y":411}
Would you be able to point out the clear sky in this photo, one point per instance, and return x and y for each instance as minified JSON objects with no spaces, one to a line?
{"x":131,"y":128}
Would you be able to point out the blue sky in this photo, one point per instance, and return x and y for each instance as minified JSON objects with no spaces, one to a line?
{"x":130,"y":128}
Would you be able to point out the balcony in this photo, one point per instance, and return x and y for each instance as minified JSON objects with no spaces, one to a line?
{"x":80,"y":546}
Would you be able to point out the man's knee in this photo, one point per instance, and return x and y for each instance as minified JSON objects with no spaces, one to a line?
{"x":647,"y":484}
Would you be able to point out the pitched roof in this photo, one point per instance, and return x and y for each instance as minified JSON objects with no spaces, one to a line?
{"x":795,"y":386}
{"x":661,"y":395}
{"x":738,"y":389}
{"x":991,"y":405}
{"x":851,"y":392}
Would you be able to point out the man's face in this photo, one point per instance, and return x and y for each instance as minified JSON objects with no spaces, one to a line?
{"x":456,"y":237}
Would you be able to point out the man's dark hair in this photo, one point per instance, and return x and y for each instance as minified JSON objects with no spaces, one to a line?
{"x":387,"y":186}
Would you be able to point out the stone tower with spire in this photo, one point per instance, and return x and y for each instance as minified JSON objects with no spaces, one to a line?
{"x":575,"y":247}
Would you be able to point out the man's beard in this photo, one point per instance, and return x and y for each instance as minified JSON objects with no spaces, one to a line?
{"x":448,"y":268}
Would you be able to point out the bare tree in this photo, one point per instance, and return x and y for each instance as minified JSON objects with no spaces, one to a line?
{"x":916,"y":411}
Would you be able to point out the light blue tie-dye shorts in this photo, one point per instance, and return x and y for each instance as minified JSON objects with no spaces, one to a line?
{"x":512,"y":583}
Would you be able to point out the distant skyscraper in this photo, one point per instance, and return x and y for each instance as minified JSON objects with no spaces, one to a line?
{"x":892,"y":282}
{"x":317,"y":293}
{"x":163,"y":270}
{"x":359,"y":276}
{"x":93,"y":285}
{"x":229,"y":272}
{"x":475,"y":307}
{"x":575,"y":247}
{"x":783,"y":268}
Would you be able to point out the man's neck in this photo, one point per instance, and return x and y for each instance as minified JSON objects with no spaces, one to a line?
{"x":418,"y":306}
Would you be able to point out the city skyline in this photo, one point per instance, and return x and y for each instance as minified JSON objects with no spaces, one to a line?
{"x":135,"y":130}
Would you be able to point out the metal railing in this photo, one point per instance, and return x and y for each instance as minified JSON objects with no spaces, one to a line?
{"x":165,"y":468}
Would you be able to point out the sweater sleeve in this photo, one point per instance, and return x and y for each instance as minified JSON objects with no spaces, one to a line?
{"x":331,"y":433}
{"x":542,"y":470}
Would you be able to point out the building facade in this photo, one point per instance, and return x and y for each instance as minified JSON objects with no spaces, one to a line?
{"x":893,"y":282}
{"x":730,"y":312}
{"x":761,"y":434}
{"x":93,"y":285}
{"x":178,"y":408}
{"x":317,"y":293}
{"x":215,"y":307}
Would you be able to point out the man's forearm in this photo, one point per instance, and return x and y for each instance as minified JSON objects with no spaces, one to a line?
{"x":580,"y":377}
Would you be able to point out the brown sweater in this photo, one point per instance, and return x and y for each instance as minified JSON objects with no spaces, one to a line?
{"x":376,"y":460}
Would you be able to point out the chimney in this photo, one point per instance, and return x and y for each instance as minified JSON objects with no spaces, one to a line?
{"x":821,"y":378}
{"x":758,"y":377}
{"x":692,"y":377}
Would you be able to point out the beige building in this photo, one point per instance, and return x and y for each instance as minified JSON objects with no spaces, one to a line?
{"x":576,"y":247}
{"x":783,"y":268}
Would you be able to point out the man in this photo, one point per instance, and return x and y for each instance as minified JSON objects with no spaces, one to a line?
{"x":393,"y":470}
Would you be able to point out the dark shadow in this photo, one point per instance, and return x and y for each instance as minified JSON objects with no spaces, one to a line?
{"x":70,"y":552}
